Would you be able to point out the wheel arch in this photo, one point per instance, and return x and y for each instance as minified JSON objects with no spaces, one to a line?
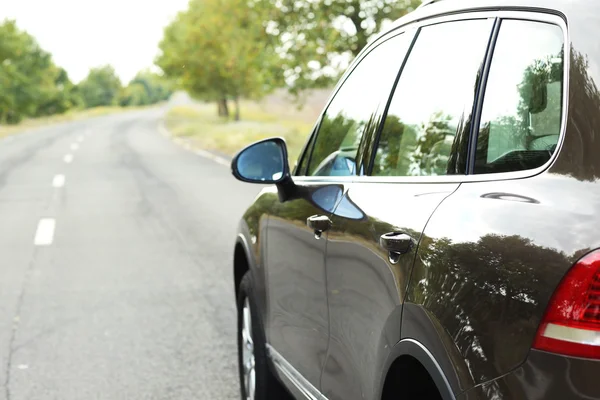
{"x":417,"y":351}
{"x":242,"y":262}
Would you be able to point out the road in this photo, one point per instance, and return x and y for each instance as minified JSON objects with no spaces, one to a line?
{"x":116,"y":248}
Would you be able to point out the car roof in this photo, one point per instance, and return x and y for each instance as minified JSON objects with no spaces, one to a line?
{"x":431,"y":8}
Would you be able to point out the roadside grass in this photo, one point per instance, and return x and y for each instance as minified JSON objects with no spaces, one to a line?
{"x":72,"y":115}
{"x":202,"y":128}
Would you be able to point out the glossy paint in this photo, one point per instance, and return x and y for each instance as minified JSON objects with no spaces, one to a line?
{"x":297,"y":321}
{"x":543,"y":376}
{"x":365,"y":288}
{"x":493,"y":253}
{"x":487,"y":262}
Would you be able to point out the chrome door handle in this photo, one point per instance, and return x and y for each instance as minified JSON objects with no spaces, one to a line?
{"x":319,"y":224}
{"x":396,"y":243}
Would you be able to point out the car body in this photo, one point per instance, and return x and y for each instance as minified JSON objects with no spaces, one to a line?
{"x":447,"y":270}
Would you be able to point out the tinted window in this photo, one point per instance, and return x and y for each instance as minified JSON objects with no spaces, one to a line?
{"x":433,"y":98}
{"x":522,"y":108}
{"x":356,"y":110}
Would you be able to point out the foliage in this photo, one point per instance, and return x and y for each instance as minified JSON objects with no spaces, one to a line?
{"x":332,"y":133}
{"x":219,"y":50}
{"x":398,"y":141}
{"x":202,"y":128}
{"x":31,"y":85}
{"x":101,"y":87}
{"x":433,"y":146}
{"x":317,"y":37}
{"x":146,"y":88}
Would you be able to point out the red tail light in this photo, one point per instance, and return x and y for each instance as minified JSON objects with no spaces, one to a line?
{"x":571,"y":325}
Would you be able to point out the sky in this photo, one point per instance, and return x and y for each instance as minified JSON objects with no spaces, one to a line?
{"x":82,"y":34}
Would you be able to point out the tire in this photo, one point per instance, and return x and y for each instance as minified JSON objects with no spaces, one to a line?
{"x":266,"y":386}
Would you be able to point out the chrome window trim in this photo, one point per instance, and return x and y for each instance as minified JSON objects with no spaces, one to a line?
{"x":295,"y":377}
{"x":533,"y":16}
{"x":384,"y":37}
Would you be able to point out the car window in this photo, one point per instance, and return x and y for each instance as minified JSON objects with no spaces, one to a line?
{"x":522,"y":109}
{"x":356,"y":110}
{"x":433,"y":97}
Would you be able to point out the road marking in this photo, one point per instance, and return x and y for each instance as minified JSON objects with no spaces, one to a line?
{"x":215,"y":158}
{"x":202,"y":153}
{"x":74,"y":146}
{"x":80,"y":139}
{"x":58,"y":181}
{"x":68,"y":158}
{"x":44,"y":236}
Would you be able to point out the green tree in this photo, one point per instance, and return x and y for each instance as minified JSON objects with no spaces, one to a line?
{"x":157,"y":87}
{"x":30,"y":83}
{"x":134,"y":94}
{"x":100,"y":88}
{"x":315,"y":35}
{"x":145,"y":88}
{"x":65,"y":96}
{"x":219,"y":50}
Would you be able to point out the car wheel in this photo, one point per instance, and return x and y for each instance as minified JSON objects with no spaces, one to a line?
{"x":256,"y":380}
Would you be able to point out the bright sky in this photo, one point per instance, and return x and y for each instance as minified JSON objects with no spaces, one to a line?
{"x":82,"y":34}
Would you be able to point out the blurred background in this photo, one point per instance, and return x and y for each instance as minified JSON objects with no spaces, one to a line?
{"x":242,"y":69}
{"x":116,"y":237}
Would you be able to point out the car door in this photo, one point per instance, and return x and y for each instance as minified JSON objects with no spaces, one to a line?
{"x":419,"y":159}
{"x":494,"y":251}
{"x":297,"y":313}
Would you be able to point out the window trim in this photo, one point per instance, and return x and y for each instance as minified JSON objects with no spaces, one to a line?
{"x":548,"y":16}
{"x":480,"y":97}
{"x":418,"y":30}
{"x":565,"y":91}
{"x":306,"y":151}
{"x":308,"y":147}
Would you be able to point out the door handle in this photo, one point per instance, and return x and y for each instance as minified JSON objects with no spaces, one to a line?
{"x":319,"y":224}
{"x":396,"y":243}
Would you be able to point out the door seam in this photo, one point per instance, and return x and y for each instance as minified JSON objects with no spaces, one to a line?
{"x":344,"y":193}
{"x":412,"y":268}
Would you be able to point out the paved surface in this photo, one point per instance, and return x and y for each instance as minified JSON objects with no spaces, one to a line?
{"x":115,"y":278}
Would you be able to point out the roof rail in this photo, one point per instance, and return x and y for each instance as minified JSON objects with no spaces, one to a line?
{"x":427,"y":2}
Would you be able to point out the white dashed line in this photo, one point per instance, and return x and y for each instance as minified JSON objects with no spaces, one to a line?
{"x":68,"y":158}
{"x":80,"y":139}
{"x":58,"y":181}
{"x":44,"y":236}
{"x":74,"y":146}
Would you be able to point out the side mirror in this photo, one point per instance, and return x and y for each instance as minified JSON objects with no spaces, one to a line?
{"x":262,"y":162}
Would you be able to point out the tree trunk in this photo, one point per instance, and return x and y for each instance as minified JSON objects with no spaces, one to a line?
{"x":223,"y":108}
{"x":237,"y":108}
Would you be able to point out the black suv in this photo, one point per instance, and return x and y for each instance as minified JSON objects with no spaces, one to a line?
{"x":439,"y":235}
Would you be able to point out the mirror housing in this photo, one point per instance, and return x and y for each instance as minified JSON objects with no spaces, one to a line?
{"x":265,"y":162}
{"x":262,"y":162}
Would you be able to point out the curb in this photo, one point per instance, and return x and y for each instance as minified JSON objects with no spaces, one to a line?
{"x":186,"y":145}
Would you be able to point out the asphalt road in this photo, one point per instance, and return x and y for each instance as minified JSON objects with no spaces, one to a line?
{"x":115,"y":279}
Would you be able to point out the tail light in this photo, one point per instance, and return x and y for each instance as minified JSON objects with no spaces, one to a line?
{"x":571,"y":325}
